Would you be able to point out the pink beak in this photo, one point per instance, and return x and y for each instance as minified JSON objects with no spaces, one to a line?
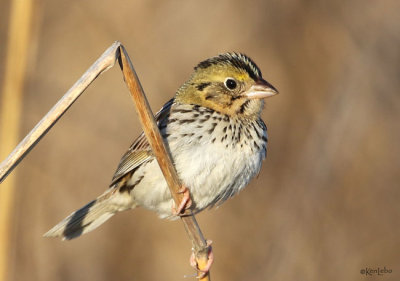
{"x":262,"y":89}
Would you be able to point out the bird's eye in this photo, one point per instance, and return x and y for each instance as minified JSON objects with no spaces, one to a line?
{"x":230,"y":83}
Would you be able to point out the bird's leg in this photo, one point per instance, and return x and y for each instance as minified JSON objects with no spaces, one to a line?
{"x":185,"y":203}
{"x":210,"y":261}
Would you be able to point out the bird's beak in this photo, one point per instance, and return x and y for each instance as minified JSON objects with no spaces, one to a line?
{"x":262,"y":89}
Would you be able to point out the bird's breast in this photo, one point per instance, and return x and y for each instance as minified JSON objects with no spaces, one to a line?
{"x":215,"y":155}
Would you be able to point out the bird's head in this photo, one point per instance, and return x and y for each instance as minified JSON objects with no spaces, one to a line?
{"x":230,"y":83}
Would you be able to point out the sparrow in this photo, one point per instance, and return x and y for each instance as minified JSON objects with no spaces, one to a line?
{"x":215,"y":135}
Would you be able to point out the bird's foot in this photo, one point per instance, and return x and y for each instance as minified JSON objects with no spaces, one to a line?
{"x":210,"y":260}
{"x":185,"y":203}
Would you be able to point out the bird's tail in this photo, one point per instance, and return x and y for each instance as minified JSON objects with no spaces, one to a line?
{"x":92,"y":215}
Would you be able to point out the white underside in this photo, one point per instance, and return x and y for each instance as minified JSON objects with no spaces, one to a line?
{"x":205,"y":174}
{"x":211,"y":171}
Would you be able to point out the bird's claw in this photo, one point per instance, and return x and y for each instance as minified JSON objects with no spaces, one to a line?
{"x":210,"y":260}
{"x":185,"y":203}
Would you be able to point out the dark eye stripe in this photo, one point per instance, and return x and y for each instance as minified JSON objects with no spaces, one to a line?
{"x":201,"y":86}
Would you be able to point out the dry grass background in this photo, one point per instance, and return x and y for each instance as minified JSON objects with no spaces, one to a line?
{"x":326,"y":202}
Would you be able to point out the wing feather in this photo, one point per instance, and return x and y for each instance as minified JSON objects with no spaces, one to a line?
{"x":140,"y":151}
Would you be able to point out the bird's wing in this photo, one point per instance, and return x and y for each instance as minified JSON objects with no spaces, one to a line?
{"x":140,"y":151}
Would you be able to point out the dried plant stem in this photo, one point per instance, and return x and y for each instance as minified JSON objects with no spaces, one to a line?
{"x":164,"y":160}
{"x":18,"y":46}
{"x":106,"y":61}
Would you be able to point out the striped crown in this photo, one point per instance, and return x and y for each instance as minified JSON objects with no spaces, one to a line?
{"x":237,"y":60}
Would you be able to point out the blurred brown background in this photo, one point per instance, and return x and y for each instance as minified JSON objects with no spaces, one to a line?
{"x":326,"y":203}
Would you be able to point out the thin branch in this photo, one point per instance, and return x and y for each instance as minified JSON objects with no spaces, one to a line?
{"x":106,"y":61}
{"x":164,"y":159}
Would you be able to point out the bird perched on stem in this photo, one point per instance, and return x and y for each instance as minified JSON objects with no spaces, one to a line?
{"x":217,"y":140}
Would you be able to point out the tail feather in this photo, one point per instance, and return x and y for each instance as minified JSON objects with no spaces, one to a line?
{"x":91,"y":215}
